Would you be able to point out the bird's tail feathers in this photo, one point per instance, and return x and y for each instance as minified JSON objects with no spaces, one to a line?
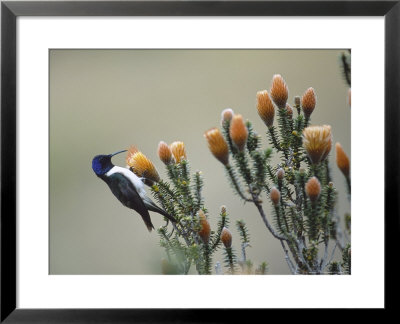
{"x":165,"y":214}
{"x":153,"y":207}
{"x":150,"y":227}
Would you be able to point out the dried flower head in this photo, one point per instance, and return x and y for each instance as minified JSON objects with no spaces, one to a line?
{"x":217,"y":145}
{"x":238,"y":132}
{"x":280,"y":173}
{"x":279,"y":91}
{"x":317,"y":140}
{"x":205,"y":229}
{"x":226,"y":237}
{"x":308,"y":102}
{"x":265,"y":108}
{"x":289,"y":111}
{"x":226,"y":115}
{"x":313,"y":189}
{"x":342,"y":160}
{"x":164,"y":153}
{"x":142,"y":166}
{"x":275,"y":196}
{"x":178,"y":151}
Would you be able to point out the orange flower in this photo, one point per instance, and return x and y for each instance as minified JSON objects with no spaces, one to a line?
{"x":342,"y":160}
{"x":238,"y":132}
{"x":178,"y":150}
{"x":317,"y":140}
{"x":226,"y":237}
{"x":217,"y":145}
{"x":313,"y":189}
{"x":308,"y":102}
{"x":275,"y":196}
{"x":265,"y":108}
{"x":142,"y":166}
{"x":164,"y":153}
{"x":205,"y":230}
{"x":279,"y":91}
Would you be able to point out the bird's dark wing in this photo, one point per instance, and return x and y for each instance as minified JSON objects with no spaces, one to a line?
{"x":126,"y":193}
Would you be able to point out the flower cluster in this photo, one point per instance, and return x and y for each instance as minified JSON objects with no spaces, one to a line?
{"x":299,"y":187}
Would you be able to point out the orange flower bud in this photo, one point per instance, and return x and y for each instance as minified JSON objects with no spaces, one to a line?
{"x":265,"y":108}
{"x":217,"y":145}
{"x":275,"y":196}
{"x":164,"y":153}
{"x":279,"y":91}
{"x":342,"y":160}
{"x":308,"y":102}
{"x":317,"y":140}
{"x":226,"y":237}
{"x":313,"y":189}
{"x":205,"y":230}
{"x":238,"y":132}
{"x":178,"y":150}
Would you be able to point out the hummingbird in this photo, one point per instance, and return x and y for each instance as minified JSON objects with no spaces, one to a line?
{"x":127,"y":187}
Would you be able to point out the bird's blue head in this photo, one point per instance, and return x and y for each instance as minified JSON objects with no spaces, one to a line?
{"x":101,"y":164}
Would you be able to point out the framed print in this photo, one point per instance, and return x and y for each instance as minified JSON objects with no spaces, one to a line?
{"x":160,"y":158}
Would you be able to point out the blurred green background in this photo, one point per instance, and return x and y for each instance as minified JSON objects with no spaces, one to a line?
{"x":102,"y":101}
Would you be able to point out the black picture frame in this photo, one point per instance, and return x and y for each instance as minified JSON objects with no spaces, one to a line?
{"x":11,"y":10}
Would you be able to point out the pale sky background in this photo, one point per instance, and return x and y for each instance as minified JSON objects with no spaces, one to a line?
{"x":102,"y":101}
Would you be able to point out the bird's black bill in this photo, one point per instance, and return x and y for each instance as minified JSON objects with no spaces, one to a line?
{"x":118,"y":152}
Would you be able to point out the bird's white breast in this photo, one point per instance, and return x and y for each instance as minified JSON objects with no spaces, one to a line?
{"x":138,"y":184}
